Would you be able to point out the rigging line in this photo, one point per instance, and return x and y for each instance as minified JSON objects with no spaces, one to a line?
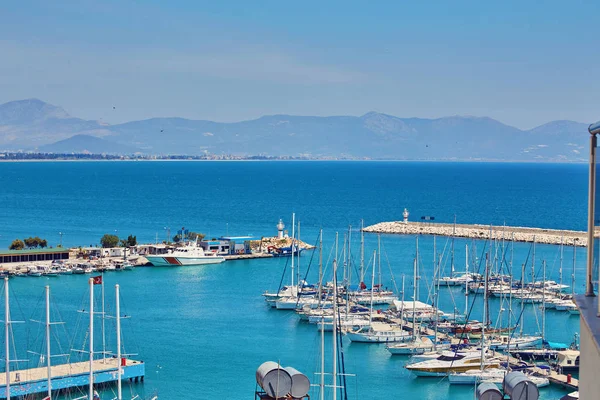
{"x":283,"y":275}
{"x":342,"y":364}
{"x":312,"y":256}
{"x":468,"y":316}
{"x":390,"y":269}
{"x":521,"y":314}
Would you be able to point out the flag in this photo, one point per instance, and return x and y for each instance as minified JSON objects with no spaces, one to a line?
{"x":97,"y":280}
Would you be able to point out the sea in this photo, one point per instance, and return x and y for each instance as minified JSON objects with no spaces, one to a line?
{"x":203,"y":331}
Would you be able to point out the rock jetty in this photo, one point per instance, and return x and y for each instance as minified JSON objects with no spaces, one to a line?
{"x":275,"y":242}
{"x":521,"y":234}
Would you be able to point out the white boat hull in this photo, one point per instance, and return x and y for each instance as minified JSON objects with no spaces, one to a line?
{"x":171,"y":261}
{"x":375,"y":338}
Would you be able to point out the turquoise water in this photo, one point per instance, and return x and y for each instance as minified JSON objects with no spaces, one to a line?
{"x":203,"y":331}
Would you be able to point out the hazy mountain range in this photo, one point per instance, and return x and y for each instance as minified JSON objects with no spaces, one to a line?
{"x":33,"y":125}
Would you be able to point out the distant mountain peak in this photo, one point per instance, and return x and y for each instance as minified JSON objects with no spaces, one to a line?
{"x":29,"y":110}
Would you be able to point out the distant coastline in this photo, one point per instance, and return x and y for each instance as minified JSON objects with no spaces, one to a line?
{"x":38,"y":157}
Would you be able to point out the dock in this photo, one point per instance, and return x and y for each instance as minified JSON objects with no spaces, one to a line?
{"x":554,"y":377}
{"x":518,"y":234}
{"x":64,"y":376}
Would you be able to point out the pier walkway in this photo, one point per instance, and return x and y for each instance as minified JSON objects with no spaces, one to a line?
{"x":64,"y":376}
{"x":519,"y":234}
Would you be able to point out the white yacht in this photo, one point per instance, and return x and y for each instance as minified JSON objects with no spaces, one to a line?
{"x":449,"y":362}
{"x":379,"y":332}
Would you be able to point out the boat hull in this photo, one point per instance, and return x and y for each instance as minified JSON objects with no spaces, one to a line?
{"x":170,"y":261}
{"x":444,"y":371}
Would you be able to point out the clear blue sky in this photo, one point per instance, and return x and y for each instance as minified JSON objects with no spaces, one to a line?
{"x":522,"y":62}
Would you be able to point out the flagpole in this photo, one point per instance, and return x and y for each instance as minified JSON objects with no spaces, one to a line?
{"x":91,"y":376}
{"x":103,"y":334}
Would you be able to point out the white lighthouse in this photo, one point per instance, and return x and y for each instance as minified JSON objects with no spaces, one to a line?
{"x":280,"y":227}
{"x":405,"y":215}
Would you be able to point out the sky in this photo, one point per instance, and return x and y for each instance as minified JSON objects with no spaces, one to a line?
{"x":522,"y":62}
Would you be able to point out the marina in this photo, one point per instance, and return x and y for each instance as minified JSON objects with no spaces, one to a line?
{"x":200,"y":331}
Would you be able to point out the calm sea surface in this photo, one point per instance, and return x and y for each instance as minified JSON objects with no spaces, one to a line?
{"x":203,"y":331}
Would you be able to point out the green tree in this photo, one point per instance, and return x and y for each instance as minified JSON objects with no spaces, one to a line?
{"x":190,"y":237}
{"x":31,"y":242}
{"x":17,"y":244}
{"x":109,"y":241}
{"x":131,"y":240}
{"x":43,"y":243}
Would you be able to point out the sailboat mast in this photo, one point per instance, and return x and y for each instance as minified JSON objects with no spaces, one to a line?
{"x":334,"y":336}
{"x":512,"y":255}
{"x":298,"y":264}
{"x":48,"y":357}
{"x":485,"y":309}
{"x":292,"y":248}
{"x":6,"y":336}
{"x":322,"y":391}
{"x":452,"y":252}
{"x":372,"y":285}
{"x":320,"y":264}
{"x":467,"y":280}
{"x":349,"y":277}
{"x":573,"y":273}
{"x":379,"y":258}
{"x":437,"y":304}
{"x":417,"y":272}
{"x":362,"y":251}
{"x":414,"y":296}
{"x":560,"y":270}
{"x":91,"y":375}
{"x":533,"y":264}
{"x":118,"y":320}
{"x":522,"y":299}
{"x":544,"y":302}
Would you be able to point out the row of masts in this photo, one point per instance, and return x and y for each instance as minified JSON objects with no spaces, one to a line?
{"x":7,"y":331}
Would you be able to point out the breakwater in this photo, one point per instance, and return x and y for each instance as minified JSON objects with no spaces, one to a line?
{"x":518,"y":234}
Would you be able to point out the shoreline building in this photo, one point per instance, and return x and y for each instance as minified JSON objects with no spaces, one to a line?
{"x":33,"y":255}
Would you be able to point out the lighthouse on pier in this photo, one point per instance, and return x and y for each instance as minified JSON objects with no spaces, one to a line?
{"x":405,"y":215}
{"x":280,"y":227}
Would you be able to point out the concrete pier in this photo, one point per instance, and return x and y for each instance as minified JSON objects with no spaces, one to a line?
{"x":521,"y":234}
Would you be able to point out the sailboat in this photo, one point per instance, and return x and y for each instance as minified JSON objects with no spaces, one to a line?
{"x":418,"y":344}
{"x":336,"y":354}
{"x":452,"y":362}
{"x":378,"y":332}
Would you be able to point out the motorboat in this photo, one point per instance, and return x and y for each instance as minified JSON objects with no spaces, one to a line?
{"x":187,"y":255}
{"x":452,"y":362}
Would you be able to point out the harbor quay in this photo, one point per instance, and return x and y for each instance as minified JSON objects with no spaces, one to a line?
{"x":476,"y":231}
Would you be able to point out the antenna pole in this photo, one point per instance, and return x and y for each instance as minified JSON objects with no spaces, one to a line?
{"x":118,"y":319}
{"x":48,"y":342}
